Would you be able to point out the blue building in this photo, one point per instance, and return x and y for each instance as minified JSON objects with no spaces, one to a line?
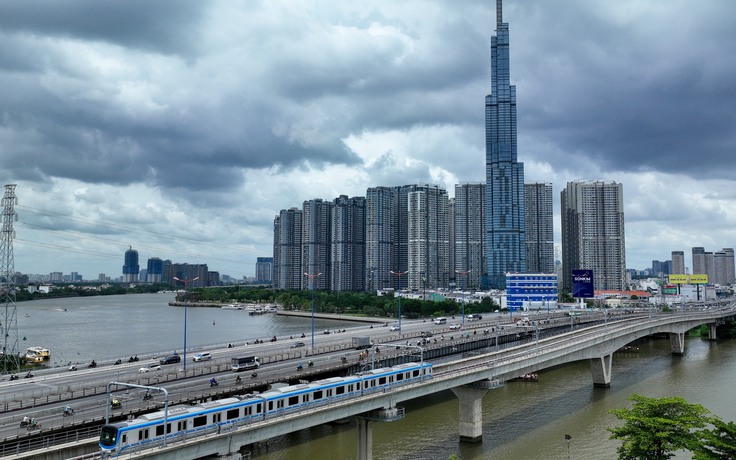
{"x":155,"y":270}
{"x":531,"y":291}
{"x":264,"y":270}
{"x":131,"y":267}
{"x":504,"y":174}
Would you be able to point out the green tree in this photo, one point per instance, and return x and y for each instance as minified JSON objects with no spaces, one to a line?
{"x":718,"y":443}
{"x":657,"y":427}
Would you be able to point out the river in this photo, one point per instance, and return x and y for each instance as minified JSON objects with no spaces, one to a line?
{"x":522,"y":420}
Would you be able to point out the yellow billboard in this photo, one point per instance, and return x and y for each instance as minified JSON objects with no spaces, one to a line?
{"x":698,"y":279}
{"x":677,"y":279}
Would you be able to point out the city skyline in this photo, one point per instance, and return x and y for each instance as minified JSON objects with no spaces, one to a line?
{"x":183,"y":132}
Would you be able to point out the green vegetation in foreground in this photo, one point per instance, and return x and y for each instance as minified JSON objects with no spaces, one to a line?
{"x":656,"y":428}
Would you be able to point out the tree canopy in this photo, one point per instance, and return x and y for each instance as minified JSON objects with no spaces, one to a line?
{"x":655,"y":428}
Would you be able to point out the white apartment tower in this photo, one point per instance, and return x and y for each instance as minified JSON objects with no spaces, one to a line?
{"x":593,"y":233}
{"x":428,"y":231}
{"x":469,"y":235}
{"x":539,"y":223}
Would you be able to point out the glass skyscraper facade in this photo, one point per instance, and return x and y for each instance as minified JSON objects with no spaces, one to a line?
{"x":504,"y":174}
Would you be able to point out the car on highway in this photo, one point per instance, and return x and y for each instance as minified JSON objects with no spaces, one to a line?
{"x":149,"y":368}
{"x":395,"y":327}
{"x":297,"y":345}
{"x":171,"y":359}
{"x":455,"y":327}
{"x":206,"y":356}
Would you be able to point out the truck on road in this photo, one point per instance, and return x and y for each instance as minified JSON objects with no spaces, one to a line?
{"x":360,"y":343}
{"x":245,"y":363}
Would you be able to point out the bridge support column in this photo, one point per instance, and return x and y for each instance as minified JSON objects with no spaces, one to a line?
{"x":364,"y":439}
{"x":712,"y":331}
{"x":471,"y":412}
{"x":600,"y":369}
{"x":677,"y":343}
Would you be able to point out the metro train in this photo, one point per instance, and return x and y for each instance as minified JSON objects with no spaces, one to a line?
{"x":148,"y":429}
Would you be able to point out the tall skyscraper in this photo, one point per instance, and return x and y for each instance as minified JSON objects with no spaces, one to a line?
{"x":504,"y":174}
{"x":287,"y":249}
{"x":470,"y":232}
{"x":381,"y":234}
{"x":678,"y":262}
{"x":593,"y":233}
{"x":131,"y":267}
{"x":428,"y":238}
{"x":539,"y":234}
{"x":348,"y":244}
{"x":316,"y":243}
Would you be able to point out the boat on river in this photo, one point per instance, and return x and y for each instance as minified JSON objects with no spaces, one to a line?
{"x":37,"y":354}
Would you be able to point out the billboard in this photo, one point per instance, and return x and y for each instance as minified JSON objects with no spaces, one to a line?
{"x":677,"y":279}
{"x":582,"y":283}
{"x":698,"y":279}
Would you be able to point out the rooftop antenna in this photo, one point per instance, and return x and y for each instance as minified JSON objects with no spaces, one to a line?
{"x":9,"y":327}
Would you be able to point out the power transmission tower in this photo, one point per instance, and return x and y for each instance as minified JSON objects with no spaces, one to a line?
{"x":9,"y":327}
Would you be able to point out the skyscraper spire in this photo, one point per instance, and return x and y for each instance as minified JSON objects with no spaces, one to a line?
{"x":499,"y":12}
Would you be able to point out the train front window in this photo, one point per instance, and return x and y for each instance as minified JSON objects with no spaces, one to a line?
{"x":108,"y":435}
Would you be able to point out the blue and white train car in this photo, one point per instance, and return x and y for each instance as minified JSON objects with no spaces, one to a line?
{"x":189,"y":420}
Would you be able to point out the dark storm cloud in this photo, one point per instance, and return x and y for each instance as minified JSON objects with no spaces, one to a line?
{"x":154,"y":25}
{"x":633,"y":87}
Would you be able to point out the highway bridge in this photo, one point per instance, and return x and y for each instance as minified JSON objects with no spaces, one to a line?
{"x":470,"y":362}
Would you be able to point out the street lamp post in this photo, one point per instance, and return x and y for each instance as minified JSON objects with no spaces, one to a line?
{"x":398,"y":275}
{"x":311,"y":277}
{"x":186,"y":304}
{"x":463,"y":274}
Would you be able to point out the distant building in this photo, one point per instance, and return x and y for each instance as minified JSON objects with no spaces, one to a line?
{"x":155,"y":270}
{"x":698,"y":253}
{"x":287,"y":249}
{"x":186,"y":272}
{"x":678,"y":262}
{"x":469,"y":235}
{"x":131,"y":267}
{"x":347,"y":247}
{"x":264,"y":270}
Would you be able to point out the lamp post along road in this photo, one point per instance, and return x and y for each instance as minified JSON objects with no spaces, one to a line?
{"x":463,"y":274}
{"x":398,"y":275}
{"x":186,"y":304}
{"x":311,"y":277}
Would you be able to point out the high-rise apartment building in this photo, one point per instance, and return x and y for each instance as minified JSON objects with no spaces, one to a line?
{"x":539,"y":222}
{"x":469,"y":217}
{"x":504,"y":174}
{"x":678,"y":262}
{"x":348,"y":244}
{"x":698,"y":260}
{"x":428,"y":242}
{"x":316,"y":244}
{"x":381,"y":234}
{"x":131,"y":267}
{"x":593,"y":233}
{"x":287,"y":249}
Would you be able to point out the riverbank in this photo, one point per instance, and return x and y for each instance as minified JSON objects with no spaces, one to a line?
{"x":298,"y":314}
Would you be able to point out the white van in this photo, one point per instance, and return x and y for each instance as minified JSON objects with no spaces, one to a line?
{"x":440,"y":321}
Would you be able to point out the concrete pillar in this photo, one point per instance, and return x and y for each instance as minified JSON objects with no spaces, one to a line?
{"x":471,"y":412}
{"x":712,"y":331}
{"x":364,"y":439}
{"x":677,"y":343}
{"x":600,"y":369}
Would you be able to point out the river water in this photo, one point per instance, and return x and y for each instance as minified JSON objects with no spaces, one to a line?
{"x":521,"y":420}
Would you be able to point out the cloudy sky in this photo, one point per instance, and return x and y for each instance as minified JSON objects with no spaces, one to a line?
{"x":182,"y":128}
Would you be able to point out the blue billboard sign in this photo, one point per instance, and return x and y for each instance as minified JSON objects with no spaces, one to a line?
{"x":582,"y":283}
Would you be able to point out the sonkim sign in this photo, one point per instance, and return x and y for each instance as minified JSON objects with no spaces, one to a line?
{"x":582,"y":283}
